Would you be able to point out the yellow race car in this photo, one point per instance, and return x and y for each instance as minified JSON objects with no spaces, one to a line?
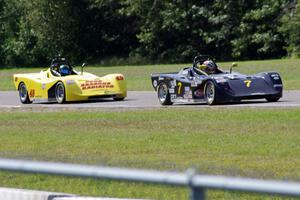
{"x":61,"y":83}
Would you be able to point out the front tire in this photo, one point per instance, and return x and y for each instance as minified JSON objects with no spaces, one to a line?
{"x":272,"y":99}
{"x":163,"y":94}
{"x":119,"y":98}
{"x":210,"y":93}
{"x":60,"y":93}
{"x":23,"y":94}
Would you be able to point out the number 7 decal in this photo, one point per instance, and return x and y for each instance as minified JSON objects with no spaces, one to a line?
{"x":179,"y":84}
{"x":247,"y":82}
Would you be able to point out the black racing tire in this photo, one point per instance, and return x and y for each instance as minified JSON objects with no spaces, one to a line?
{"x":119,"y":98}
{"x":23,"y":94}
{"x":60,"y":93}
{"x":210,"y":93}
{"x":163,"y":94}
{"x":272,"y":99}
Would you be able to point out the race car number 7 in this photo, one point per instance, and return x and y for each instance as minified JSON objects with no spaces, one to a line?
{"x":247,"y":82}
{"x":179,"y":87}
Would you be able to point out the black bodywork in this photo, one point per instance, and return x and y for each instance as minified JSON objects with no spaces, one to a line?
{"x":191,"y":85}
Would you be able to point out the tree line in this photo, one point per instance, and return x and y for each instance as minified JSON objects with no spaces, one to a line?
{"x":32,"y":32}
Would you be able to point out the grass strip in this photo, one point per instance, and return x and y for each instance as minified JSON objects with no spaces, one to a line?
{"x":257,"y":143}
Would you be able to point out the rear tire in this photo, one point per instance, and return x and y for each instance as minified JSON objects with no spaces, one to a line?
{"x":272,"y":99}
{"x":119,"y":98}
{"x":60,"y":93}
{"x":163,"y":94}
{"x":210,"y":93}
{"x":23,"y":94}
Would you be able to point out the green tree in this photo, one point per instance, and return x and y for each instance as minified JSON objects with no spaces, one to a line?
{"x":38,"y":30}
{"x":258,"y":34}
{"x":54,"y":25}
{"x":110,"y":30}
{"x":177,"y":30}
{"x":11,"y":48}
{"x":32,"y":32}
{"x":1,"y":32}
{"x":166,"y":29}
{"x":290,"y":28}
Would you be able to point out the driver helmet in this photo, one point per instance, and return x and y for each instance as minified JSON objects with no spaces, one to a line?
{"x":64,"y":70}
{"x":210,"y":66}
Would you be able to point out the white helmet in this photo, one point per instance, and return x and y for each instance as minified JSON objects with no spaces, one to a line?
{"x":210,"y":66}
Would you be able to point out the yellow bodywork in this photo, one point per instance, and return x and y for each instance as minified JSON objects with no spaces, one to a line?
{"x":79,"y":87}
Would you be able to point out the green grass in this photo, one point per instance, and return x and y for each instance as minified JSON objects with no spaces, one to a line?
{"x":262,"y":143}
{"x":138,"y":77}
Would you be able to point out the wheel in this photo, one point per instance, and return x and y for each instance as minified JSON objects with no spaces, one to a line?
{"x":163,"y":94}
{"x":60,"y":93}
{"x":272,"y":99}
{"x":118,"y":98}
{"x":210,"y":93}
{"x":23,"y":93}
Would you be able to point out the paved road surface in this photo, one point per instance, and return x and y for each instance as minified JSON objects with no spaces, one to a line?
{"x":143,"y":99}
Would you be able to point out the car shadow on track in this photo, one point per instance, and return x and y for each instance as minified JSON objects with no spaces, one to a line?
{"x":91,"y":101}
{"x":244,"y":102}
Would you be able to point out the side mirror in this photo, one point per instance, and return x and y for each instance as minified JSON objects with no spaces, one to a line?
{"x":232,"y":66}
{"x":82,"y":66}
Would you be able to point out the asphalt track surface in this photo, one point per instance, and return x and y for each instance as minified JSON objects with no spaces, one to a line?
{"x":143,"y":99}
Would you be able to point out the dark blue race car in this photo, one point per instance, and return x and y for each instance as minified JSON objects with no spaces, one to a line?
{"x":197,"y":84}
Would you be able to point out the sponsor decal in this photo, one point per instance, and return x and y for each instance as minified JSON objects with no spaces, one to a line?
{"x":171,"y":90}
{"x":16,"y":79}
{"x":161,"y":78}
{"x":221,"y":80}
{"x":31,"y":93}
{"x":97,"y":84}
{"x":173,"y":83}
{"x":155,"y":83}
{"x":187,"y":93}
{"x":190,"y":96}
{"x":70,"y":82}
{"x":194,"y":84}
{"x":43,"y":86}
{"x":173,"y":96}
